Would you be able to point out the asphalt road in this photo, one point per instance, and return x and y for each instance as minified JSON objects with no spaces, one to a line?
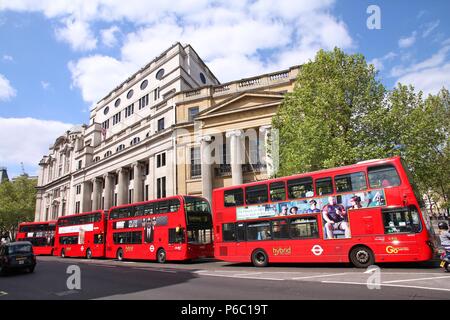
{"x":206,"y":280}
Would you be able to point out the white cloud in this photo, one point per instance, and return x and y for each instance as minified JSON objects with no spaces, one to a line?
{"x":429,"y":80}
{"x":378,"y":63}
{"x":78,"y":34}
{"x":429,"y":75}
{"x":408,"y":41}
{"x":7,"y":57}
{"x":236,"y":38}
{"x":109,"y":36}
{"x":27,"y":140}
{"x":97,"y":75}
{"x":429,"y":27}
{"x":45,"y":85}
{"x":6,"y":90}
{"x":435,"y":60}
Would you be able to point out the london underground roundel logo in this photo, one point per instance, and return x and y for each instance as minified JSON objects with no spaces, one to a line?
{"x":317,"y":250}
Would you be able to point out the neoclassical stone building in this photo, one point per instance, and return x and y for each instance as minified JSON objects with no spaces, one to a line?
{"x":150,"y":137}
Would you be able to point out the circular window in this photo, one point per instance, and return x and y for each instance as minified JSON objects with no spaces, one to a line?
{"x":160,"y":74}
{"x":130,"y":94}
{"x":144,"y":84}
{"x":106,"y":110}
{"x":117,"y":103}
{"x":202,"y":78}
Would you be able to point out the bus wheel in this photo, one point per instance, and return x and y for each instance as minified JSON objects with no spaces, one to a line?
{"x":161,"y":256}
{"x":119,"y":254}
{"x":63,"y":253}
{"x":88,"y":254}
{"x":362,"y":257}
{"x":259,"y":258}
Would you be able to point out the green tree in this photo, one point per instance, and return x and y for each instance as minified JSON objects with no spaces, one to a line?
{"x":322,"y":123}
{"x":17,"y":203}
{"x":339,"y":114}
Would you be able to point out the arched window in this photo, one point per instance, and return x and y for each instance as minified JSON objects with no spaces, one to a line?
{"x":135,"y":141}
{"x":107,"y":154}
{"x":120,"y":147}
{"x":97,"y":158}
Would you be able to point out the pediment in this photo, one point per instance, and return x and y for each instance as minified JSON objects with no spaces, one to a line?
{"x":243,"y":101}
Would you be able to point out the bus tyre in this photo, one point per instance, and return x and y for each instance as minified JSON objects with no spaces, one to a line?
{"x":119,"y":254}
{"x":362,"y":257}
{"x":63,"y":253}
{"x":260,"y":258}
{"x":88,"y":254}
{"x":161,"y":256}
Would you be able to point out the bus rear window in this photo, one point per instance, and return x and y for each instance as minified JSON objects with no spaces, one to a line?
{"x":401,"y":220}
{"x":256,"y":194}
{"x":234,"y":197}
{"x":383,"y":176}
{"x":300,"y":188}
{"x":350,"y":182}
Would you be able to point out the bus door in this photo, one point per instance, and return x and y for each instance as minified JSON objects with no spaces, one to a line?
{"x":241,"y":244}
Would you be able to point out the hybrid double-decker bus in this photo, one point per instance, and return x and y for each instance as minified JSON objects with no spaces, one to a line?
{"x":81,"y":235}
{"x":364,"y":213}
{"x":40,"y":234}
{"x":173,"y":228}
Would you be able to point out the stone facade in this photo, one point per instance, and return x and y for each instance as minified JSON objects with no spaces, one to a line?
{"x":147,"y":137}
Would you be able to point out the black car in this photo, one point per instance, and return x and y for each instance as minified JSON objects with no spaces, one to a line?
{"x":17,"y":255}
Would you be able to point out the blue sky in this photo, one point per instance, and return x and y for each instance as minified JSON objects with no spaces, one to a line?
{"x":57,"y":58}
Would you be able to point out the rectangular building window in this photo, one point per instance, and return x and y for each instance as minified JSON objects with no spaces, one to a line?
{"x":129,"y":110}
{"x":156,"y":94}
{"x":105,"y":124}
{"x":196,"y":162}
{"x":80,"y":164}
{"x":143,"y":102}
{"x":161,"y":124}
{"x":161,"y":187}
{"x":161,"y":160}
{"x":77,"y":207}
{"x":146,"y":192}
{"x":78,"y":189}
{"x":116,"y":118}
{"x":192,"y":112}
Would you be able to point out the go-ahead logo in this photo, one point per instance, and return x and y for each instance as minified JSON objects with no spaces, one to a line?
{"x":394,"y":250}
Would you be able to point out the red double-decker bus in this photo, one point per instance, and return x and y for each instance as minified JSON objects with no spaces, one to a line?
{"x":40,"y":234}
{"x":81,"y":235}
{"x":173,"y":228}
{"x":364,"y":214}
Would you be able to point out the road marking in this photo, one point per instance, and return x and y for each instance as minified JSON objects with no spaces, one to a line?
{"x":103,"y":265}
{"x":3,"y":293}
{"x":128,"y":262}
{"x":239,"y":277}
{"x":323,"y":275}
{"x":153,"y":269}
{"x":419,"y":279}
{"x":388,"y":285}
{"x":66,"y":293}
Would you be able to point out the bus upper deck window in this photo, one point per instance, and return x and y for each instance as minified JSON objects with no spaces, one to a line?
{"x":277,"y":191}
{"x":383,"y":176}
{"x":350,"y":182}
{"x":256,"y":194}
{"x":234,"y":197}
{"x":300,"y":188}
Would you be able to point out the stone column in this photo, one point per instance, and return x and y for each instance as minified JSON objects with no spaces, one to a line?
{"x":86,"y":204}
{"x":122,"y":193}
{"x":236,"y":153}
{"x":205,"y":151}
{"x":109,"y":185}
{"x":38,"y":213}
{"x":138,"y":183}
{"x":270,"y":150}
{"x":96,"y":193}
